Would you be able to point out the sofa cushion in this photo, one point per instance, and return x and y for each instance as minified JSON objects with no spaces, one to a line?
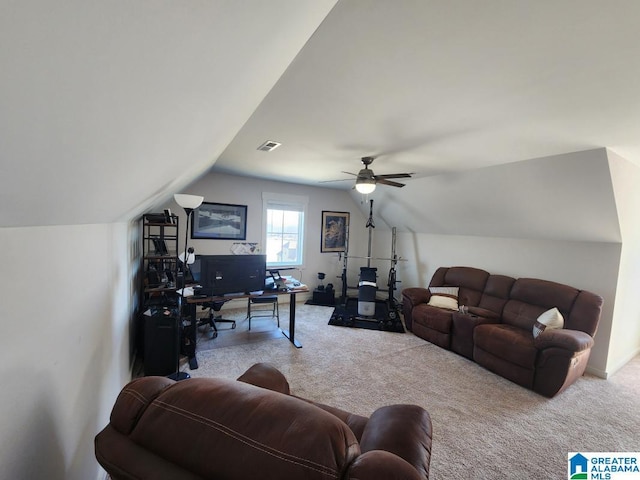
{"x":548,"y":320}
{"x":507,"y":342}
{"x":444,"y":297}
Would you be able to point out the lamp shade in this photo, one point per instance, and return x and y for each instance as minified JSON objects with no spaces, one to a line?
{"x":190,"y":256}
{"x":188,"y":201}
{"x":365,"y":185}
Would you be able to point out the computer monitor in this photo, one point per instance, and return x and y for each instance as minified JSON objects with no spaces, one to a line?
{"x":225,"y":274}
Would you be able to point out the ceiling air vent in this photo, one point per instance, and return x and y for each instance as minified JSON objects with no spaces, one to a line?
{"x":269,"y":146}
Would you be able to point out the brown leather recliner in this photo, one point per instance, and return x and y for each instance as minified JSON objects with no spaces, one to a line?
{"x":208,"y":428}
{"x":497,"y":330}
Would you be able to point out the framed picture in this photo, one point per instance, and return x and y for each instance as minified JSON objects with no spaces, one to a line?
{"x":334,"y":231}
{"x":219,"y":221}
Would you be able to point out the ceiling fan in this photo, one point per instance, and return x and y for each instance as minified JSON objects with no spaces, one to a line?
{"x":366,"y":180}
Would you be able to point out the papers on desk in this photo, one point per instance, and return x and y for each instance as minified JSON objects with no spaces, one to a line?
{"x":186,"y":292}
{"x":293,"y":284}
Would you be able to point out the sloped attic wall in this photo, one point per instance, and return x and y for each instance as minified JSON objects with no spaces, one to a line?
{"x":563,"y":197}
{"x":107,"y":108}
{"x":553,"y":218}
{"x":625,"y":335}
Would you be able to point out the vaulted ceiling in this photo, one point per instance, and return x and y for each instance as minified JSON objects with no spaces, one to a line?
{"x":107,"y":108}
{"x":437,"y":87}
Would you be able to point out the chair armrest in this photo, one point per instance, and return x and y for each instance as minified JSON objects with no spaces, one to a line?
{"x":572,"y":340}
{"x":134,"y":399}
{"x":378,"y":464}
{"x":416,"y":295}
{"x":355,"y":422}
{"x":405,"y":431}
{"x":266,"y":376}
{"x":122,"y":458}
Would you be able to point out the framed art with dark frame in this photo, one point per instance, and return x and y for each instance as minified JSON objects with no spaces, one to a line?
{"x":334,"y":231}
{"x":219,"y":221}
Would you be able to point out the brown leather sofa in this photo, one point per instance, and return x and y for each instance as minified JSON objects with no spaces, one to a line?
{"x":497,"y":330}
{"x":209,"y":428}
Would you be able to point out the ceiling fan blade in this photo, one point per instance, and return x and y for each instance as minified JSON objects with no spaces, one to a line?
{"x":384,"y":181}
{"x":349,"y":173}
{"x":394,"y":175}
{"x":337,"y":180}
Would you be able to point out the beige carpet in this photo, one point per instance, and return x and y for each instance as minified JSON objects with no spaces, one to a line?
{"x":485,"y":427}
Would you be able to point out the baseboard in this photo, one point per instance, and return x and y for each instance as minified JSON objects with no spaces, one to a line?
{"x":615,"y":368}
{"x":624,"y":361}
{"x":596,"y":371}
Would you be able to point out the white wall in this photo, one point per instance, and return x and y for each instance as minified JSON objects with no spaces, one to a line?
{"x":64,"y":337}
{"x":625,"y":336}
{"x":223,"y":188}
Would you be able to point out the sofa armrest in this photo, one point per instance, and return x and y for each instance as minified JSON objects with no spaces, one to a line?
{"x":412,"y":297}
{"x":572,"y":340}
{"x":416,"y":295}
{"x":378,"y":464}
{"x":405,"y":431}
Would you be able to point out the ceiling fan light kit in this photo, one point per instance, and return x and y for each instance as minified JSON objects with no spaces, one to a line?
{"x":366,"y":180}
{"x":365,"y":184}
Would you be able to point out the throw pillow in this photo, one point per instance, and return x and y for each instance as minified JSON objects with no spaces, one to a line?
{"x":550,"y":319}
{"x":444,"y":297}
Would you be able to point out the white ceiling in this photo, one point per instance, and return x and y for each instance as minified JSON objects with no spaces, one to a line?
{"x":107,"y":108}
{"x":436,"y":87}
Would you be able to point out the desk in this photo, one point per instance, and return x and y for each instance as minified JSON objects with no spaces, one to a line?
{"x":192,"y":302}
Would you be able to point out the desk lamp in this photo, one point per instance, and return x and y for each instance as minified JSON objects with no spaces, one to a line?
{"x":189,"y":203}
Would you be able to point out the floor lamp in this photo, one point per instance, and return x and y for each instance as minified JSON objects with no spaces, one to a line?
{"x":189,"y":203}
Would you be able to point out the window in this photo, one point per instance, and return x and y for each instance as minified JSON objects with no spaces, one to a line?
{"x":283,"y":220}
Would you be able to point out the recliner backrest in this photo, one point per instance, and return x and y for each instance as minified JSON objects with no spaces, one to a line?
{"x":470,"y":281}
{"x":496,"y":293}
{"x":585,"y":314}
{"x":238,"y":421}
{"x":530,"y":297}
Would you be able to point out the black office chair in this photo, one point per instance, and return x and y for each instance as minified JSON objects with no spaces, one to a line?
{"x":211,"y":320}
{"x":271,"y":300}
